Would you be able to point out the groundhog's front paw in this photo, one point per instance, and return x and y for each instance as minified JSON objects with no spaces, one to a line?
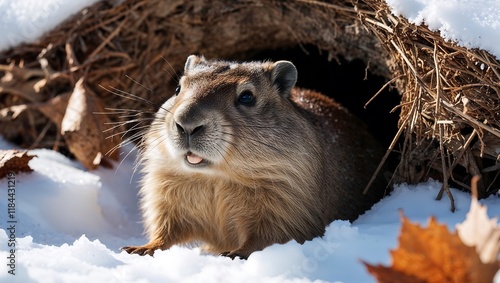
{"x":235,"y":254}
{"x":147,"y":249}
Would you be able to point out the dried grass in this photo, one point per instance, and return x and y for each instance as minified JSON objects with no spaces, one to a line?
{"x":450,"y":103}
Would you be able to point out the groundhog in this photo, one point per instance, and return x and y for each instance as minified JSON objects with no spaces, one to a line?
{"x":239,"y":159}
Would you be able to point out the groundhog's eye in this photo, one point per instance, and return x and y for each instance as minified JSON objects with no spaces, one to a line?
{"x":177,"y":90}
{"x":246,"y":98}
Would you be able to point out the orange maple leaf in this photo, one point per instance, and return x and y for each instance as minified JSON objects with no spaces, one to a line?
{"x":433,"y":255}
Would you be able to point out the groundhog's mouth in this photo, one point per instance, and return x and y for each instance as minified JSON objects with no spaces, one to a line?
{"x":194,"y":159}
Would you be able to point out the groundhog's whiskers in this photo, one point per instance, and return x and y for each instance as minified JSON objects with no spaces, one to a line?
{"x":120,"y":124}
{"x":141,"y":124}
{"x":130,"y":96}
{"x":222,"y":151}
{"x":117,"y":111}
{"x":138,"y":83}
{"x":255,"y":141}
{"x":123,"y":133}
{"x":157,"y":140}
{"x":248,"y":126}
{"x":124,"y":142}
{"x":129,"y":115}
{"x":229,"y":149}
{"x":175,"y":75}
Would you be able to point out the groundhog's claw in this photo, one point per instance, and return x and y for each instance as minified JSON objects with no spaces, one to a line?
{"x":140,"y":250}
{"x":234,"y":254}
{"x":147,"y":249}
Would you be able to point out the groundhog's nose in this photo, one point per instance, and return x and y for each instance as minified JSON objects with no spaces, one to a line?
{"x":188,"y":129}
{"x":189,"y":120}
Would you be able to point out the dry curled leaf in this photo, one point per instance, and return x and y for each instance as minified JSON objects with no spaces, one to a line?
{"x":14,"y":161}
{"x":433,"y":255}
{"x":81,"y":129}
{"x":55,"y":108}
{"x":480,"y":231}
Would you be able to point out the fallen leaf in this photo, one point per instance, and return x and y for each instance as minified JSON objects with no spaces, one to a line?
{"x":390,"y":275}
{"x":55,"y":108}
{"x":14,"y":161}
{"x":478,"y":230}
{"x":81,"y":129}
{"x":433,"y":255}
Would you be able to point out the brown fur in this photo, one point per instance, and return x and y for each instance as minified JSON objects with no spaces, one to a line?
{"x":280,"y":169}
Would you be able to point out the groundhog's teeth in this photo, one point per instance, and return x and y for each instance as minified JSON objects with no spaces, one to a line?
{"x":193,"y":158}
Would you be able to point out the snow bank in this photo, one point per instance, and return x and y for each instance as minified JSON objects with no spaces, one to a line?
{"x":71,"y":224}
{"x":470,"y":23}
{"x":26,"y":20}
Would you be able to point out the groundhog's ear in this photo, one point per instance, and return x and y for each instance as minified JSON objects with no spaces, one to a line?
{"x":284,"y":76}
{"x":192,"y":61}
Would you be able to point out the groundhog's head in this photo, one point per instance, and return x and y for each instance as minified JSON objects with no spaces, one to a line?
{"x":228,"y":116}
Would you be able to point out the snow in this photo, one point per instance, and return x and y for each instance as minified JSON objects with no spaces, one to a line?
{"x":26,"y":20}
{"x":72,"y":222}
{"x":469,"y":23}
